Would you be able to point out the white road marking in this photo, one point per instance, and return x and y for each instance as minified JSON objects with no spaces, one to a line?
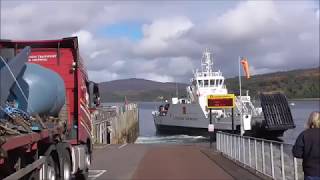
{"x":123,"y":145}
{"x":101,"y":147}
{"x":96,"y":173}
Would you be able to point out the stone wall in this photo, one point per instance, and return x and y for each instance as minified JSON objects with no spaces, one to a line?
{"x":116,"y":124}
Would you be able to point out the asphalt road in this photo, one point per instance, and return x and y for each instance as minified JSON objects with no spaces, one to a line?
{"x":142,"y":161}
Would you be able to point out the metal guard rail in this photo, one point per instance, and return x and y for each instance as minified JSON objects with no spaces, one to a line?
{"x":271,"y":158}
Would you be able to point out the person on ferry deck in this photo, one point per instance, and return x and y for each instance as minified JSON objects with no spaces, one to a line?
{"x":307,"y":147}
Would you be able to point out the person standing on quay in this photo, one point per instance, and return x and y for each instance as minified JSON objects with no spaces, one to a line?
{"x":307,"y":147}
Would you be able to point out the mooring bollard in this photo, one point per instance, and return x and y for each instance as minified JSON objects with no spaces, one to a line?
{"x":211,"y":128}
{"x":211,"y":131}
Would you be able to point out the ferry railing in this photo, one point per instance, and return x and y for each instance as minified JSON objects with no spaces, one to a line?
{"x":271,"y":158}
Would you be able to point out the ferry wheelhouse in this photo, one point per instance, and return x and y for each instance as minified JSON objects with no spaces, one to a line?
{"x":206,"y":82}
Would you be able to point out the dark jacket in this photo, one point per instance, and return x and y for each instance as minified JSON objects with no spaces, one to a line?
{"x":307,"y":147}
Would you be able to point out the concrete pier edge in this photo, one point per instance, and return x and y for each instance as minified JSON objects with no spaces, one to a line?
{"x":234,"y":169}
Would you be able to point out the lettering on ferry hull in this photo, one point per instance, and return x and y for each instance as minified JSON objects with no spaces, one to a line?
{"x":185,"y":118}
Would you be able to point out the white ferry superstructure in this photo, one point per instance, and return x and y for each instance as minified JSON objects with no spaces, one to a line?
{"x":191,"y":116}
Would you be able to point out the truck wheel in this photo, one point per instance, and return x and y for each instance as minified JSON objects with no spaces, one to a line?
{"x":52,"y":169}
{"x":66,"y":173}
{"x":84,"y":174}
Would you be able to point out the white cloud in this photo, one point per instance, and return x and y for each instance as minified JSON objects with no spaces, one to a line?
{"x":180,"y":66}
{"x":118,"y":64}
{"x":274,"y":35}
{"x":247,"y":19}
{"x":43,"y":20}
{"x":84,"y":37}
{"x":160,"y":32}
{"x":274,"y":59}
{"x":166,"y":29}
{"x":305,"y":36}
{"x":103,"y":75}
{"x":254,"y":71}
{"x":98,"y":53}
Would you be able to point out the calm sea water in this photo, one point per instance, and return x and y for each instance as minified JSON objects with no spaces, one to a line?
{"x":300,"y":112}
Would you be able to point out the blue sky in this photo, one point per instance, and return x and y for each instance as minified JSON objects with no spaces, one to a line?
{"x":130,"y":30}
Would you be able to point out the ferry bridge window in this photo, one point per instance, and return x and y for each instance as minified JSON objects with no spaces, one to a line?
{"x":200,"y":82}
{"x":220,"y":82}
{"x":206,"y":83}
{"x":211,"y":82}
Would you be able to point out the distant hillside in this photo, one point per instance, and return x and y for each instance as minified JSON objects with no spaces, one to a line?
{"x":139,"y":90}
{"x":302,"y":83}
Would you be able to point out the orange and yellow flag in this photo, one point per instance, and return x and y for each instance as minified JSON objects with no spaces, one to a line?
{"x":245,"y":66}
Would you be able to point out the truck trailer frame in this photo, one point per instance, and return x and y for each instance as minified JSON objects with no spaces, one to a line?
{"x":63,"y":148}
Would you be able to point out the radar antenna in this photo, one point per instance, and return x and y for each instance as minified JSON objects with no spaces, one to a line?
{"x":206,"y":61}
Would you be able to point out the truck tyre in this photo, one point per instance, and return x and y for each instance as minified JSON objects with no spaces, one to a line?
{"x":66,"y":165}
{"x":84,"y":174}
{"x":52,"y":169}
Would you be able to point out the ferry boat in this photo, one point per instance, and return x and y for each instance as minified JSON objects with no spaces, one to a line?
{"x":191,"y":116}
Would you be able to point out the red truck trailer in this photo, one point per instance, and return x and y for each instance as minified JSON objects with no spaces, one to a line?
{"x":59,"y":145}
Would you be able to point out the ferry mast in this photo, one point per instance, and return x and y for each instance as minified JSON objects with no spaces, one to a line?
{"x":207,"y":62}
